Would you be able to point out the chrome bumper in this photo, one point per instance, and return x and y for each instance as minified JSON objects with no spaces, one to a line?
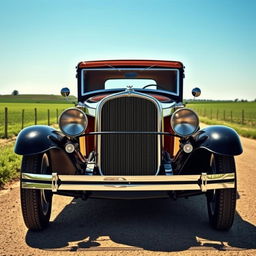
{"x":57,"y":182}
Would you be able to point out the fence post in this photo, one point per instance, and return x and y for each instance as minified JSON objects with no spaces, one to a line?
{"x":48,"y":114}
{"x":242,"y":116}
{"x":35,"y":116}
{"x":224,"y":115}
{"x":57,"y":115}
{"x":231,"y":116}
{"x":22,"y":118}
{"x":6,"y":122}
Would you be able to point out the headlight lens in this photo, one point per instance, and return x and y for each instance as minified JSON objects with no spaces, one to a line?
{"x":73,"y":122}
{"x":184,"y":122}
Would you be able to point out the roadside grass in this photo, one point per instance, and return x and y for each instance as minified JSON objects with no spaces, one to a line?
{"x":9,"y":163}
{"x":243,"y":113}
{"x":242,"y":130}
{"x":240,"y":116}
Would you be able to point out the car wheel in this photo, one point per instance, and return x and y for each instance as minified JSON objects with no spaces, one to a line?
{"x":36,"y":204}
{"x":221,"y":203}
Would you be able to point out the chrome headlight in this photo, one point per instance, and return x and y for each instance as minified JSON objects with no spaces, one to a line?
{"x":184,"y":122}
{"x":73,"y":122}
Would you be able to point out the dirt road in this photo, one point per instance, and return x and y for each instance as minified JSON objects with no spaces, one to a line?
{"x":148,"y":227}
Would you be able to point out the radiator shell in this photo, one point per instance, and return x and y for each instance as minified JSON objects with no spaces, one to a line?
{"x":129,"y":154}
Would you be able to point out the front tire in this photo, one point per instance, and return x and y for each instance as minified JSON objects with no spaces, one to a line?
{"x":36,"y":204}
{"x":221,"y":203}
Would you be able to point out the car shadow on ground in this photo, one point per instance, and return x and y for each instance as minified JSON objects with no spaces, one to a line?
{"x":155,"y":224}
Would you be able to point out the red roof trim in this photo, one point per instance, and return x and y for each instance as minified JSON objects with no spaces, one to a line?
{"x":158,"y":63}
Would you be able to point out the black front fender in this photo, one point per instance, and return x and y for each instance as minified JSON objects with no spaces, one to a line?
{"x":219,"y":139}
{"x":36,"y":139}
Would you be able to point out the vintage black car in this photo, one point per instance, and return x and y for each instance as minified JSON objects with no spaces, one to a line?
{"x":130,"y":137}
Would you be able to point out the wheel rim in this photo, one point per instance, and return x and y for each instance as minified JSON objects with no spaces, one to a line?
{"x":44,"y":202}
{"x":44,"y":196}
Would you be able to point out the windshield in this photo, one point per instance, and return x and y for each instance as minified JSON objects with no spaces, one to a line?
{"x":135,"y":83}
{"x":145,"y":78}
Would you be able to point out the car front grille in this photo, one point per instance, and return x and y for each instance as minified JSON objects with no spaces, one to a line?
{"x":129,"y":154}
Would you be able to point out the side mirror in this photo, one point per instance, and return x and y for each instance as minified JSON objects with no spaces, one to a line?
{"x":65,"y":92}
{"x":196,"y":92}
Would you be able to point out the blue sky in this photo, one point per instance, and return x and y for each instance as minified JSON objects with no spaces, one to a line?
{"x":42,"y":41}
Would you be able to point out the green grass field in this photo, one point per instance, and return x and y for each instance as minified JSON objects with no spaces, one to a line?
{"x":36,"y":98}
{"x":15,"y":115}
{"x":239,"y":115}
{"x":16,"y":104}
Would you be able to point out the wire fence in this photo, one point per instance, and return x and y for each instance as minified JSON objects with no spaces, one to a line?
{"x":241,"y":116}
{"x":12,"y":121}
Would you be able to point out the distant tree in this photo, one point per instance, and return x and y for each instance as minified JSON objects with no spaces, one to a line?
{"x":15,"y":92}
{"x":236,"y":100}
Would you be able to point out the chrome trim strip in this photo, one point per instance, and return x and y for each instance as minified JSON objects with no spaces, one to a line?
{"x":154,"y":69}
{"x":203,"y":182}
{"x":127,"y":93}
{"x":169,"y":108}
{"x":34,"y":185}
{"x":54,"y":182}
{"x":88,"y":108}
{"x":168,"y":105}
{"x":34,"y":176}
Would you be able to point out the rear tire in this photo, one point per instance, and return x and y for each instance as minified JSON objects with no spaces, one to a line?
{"x":36,"y":204}
{"x":221,"y":203}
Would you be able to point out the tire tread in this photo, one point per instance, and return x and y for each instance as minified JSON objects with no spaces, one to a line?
{"x":30,"y":204}
{"x":223,"y":216}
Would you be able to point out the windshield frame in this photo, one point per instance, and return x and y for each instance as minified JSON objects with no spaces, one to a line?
{"x":177,"y":93}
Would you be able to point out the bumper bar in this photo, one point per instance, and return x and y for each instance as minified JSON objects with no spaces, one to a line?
{"x":55,"y":182}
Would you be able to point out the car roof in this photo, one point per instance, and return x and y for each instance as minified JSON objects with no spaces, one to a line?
{"x":125,"y":63}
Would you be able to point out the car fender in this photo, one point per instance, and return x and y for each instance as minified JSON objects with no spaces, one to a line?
{"x":219,"y":139}
{"x":36,"y":139}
